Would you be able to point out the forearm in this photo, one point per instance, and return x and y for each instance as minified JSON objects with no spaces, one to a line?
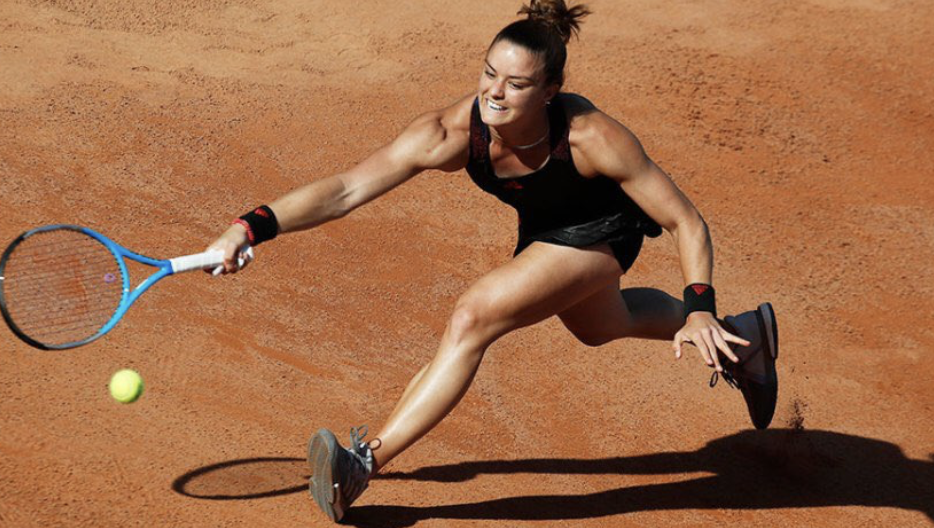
{"x":311,"y":205}
{"x":695,"y":250}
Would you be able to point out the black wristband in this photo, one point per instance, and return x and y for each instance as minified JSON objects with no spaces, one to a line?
{"x":699,"y":297}
{"x":261,"y":225}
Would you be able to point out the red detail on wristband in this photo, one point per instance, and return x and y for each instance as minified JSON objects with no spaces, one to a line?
{"x":262,"y":212}
{"x":246,"y":225}
{"x":700,"y":288}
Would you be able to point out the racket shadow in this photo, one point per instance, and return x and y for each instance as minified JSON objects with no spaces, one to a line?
{"x":245,"y":479}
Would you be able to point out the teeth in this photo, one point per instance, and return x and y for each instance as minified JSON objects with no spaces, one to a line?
{"x":495,"y":107}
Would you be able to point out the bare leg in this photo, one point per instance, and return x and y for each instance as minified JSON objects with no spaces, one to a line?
{"x":655,"y":314}
{"x":611,"y":314}
{"x":411,"y":386}
{"x":542,"y":281}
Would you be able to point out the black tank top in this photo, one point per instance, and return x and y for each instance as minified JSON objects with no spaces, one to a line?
{"x":556,"y":198}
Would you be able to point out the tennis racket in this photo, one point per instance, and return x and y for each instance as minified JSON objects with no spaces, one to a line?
{"x":63,"y":286}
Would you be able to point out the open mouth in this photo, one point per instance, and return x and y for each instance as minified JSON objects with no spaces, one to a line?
{"x":495,"y":107}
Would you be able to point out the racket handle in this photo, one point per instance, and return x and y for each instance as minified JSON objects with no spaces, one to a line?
{"x":206,"y":260}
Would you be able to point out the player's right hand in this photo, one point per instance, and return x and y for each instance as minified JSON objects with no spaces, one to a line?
{"x":234,"y":243}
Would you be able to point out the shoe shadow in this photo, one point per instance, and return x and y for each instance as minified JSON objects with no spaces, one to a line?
{"x":770,"y":469}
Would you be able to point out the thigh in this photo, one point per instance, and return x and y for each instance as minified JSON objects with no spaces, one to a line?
{"x":543,"y":280}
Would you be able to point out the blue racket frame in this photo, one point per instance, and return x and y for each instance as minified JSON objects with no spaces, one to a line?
{"x":128,"y":296}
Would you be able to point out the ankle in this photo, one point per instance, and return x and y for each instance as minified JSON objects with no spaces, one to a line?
{"x":377,"y":465}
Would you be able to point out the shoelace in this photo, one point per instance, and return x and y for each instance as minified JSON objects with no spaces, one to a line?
{"x":357,"y":434}
{"x":726,"y":376}
{"x":358,"y":478}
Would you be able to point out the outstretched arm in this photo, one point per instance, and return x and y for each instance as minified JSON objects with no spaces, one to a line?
{"x":424,"y":144}
{"x":612,"y":150}
{"x":433,"y":141}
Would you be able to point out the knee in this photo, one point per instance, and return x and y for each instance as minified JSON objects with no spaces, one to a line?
{"x":479,"y":318}
{"x":467,"y":323}
{"x":464,"y":340}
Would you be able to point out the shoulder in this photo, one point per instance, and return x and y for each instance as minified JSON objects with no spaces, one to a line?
{"x":453,"y":118}
{"x":600,"y":144}
{"x":438,"y":139}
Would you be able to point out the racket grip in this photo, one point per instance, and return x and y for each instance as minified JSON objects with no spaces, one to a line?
{"x":206,"y":260}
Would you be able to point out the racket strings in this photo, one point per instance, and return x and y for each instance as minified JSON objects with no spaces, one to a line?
{"x":40,"y":283}
{"x":61,"y":286}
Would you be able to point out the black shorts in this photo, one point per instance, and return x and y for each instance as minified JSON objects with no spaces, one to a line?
{"x":624,"y":240}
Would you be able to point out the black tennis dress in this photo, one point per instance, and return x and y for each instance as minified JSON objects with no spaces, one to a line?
{"x":556,"y":204}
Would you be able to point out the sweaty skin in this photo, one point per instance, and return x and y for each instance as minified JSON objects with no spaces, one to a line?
{"x":543,"y":280}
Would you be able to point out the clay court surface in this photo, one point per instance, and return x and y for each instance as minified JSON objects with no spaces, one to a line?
{"x":803,"y":131}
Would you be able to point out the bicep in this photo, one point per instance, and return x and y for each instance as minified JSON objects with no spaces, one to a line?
{"x":612,"y":150}
{"x":657,"y":195}
{"x":424,"y":144}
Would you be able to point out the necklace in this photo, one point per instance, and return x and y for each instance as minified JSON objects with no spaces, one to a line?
{"x":522,"y":147}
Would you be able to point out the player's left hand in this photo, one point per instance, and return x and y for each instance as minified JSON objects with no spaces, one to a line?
{"x":704,"y":331}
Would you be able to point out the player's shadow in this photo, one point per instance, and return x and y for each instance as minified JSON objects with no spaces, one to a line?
{"x":751,"y":470}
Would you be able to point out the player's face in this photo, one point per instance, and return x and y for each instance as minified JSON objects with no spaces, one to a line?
{"x":512,"y":85}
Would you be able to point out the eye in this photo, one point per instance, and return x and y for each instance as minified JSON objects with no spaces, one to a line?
{"x":516,"y":86}
{"x":489,"y":74}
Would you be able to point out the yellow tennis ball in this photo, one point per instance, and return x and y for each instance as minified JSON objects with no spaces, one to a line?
{"x":126,"y":386}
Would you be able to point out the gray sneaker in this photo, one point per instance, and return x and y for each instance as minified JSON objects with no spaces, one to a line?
{"x":755,"y":375}
{"x":338,"y":475}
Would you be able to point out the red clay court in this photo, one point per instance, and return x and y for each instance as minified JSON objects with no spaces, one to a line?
{"x":802,"y":131}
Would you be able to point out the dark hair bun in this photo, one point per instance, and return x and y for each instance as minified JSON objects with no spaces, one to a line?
{"x":557,"y":15}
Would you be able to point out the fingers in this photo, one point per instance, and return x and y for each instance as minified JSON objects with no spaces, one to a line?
{"x":676,"y":345}
{"x":235,"y":259}
{"x":707,"y":343}
{"x":704,"y":345}
{"x":219,"y":269}
{"x":229,"y":265}
{"x":724,"y":347}
{"x":230,"y":258}
{"x":698,"y":342}
{"x":246,"y":256}
{"x":710,"y":339}
{"x":710,"y":350}
{"x":735,"y":339}
{"x":234,"y":243}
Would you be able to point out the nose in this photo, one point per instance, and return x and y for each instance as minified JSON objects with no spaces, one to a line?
{"x":498,"y":90}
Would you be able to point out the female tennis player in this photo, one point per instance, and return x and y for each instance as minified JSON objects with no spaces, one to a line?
{"x":586,"y":195}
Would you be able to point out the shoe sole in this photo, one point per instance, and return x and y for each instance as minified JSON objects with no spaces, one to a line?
{"x":322,"y":458}
{"x":768,"y":328}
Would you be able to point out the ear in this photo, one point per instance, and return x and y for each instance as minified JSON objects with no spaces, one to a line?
{"x":551,"y":91}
